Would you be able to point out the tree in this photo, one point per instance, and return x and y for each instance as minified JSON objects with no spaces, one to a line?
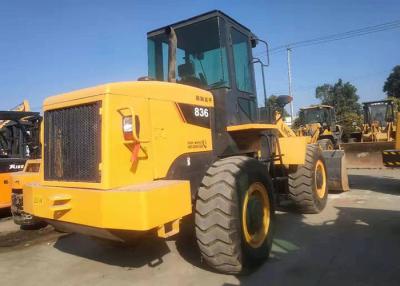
{"x":343,"y":97}
{"x":392,"y":83}
{"x":272,"y":101}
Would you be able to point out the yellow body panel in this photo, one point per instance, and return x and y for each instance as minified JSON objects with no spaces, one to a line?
{"x":130,"y":195}
{"x":151,"y":89}
{"x":287,"y":140}
{"x":163,"y":133}
{"x":5,"y":190}
{"x":293,"y":149}
{"x":138,"y":207}
{"x":252,"y":127}
{"x":172,"y":137}
{"x":20,"y":179}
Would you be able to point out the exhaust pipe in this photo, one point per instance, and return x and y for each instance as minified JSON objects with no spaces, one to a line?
{"x":172,"y":43}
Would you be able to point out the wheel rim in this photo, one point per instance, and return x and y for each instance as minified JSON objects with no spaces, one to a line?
{"x":320,"y":179}
{"x":256,"y":215}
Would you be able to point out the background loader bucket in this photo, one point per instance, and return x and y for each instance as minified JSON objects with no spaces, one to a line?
{"x":365,"y":155}
{"x":335,"y":163}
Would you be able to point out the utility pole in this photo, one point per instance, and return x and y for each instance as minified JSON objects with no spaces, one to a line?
{"x":289,"y":51}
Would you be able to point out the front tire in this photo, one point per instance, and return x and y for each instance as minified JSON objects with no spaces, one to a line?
{"x":235,"y":214}
{"x":326,"y":144}
{"x":308,"y":188}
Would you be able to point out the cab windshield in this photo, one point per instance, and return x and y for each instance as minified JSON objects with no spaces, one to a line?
{"x":201,"y":59}
{"x":378,"y":113}
{"x":316,"y":116}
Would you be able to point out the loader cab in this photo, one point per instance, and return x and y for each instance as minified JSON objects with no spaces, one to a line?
{"x":322,"y":114}
{"x":213,"y":52}
{"x":380,"y":112}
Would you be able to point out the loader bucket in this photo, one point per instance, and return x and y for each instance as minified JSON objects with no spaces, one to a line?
{"x":336,"y":170}
{"x":365,"y":155}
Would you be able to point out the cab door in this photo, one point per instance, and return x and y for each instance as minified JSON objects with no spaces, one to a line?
{"x":243,"y":95}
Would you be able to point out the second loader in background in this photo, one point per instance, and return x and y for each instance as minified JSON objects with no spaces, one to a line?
{"x":319,"y":122}
{"x":378,"y":133}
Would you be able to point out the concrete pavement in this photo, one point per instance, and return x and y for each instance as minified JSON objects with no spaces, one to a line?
{"x":354,"y":241}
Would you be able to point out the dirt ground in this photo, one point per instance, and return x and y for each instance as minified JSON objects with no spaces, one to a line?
{"x":354,"y":241}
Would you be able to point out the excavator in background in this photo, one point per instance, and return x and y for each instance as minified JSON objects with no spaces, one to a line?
{"x":19,"y":141}
{"x":125,"y":158}
{"x":319,"y":122}
{"x":378,"y":133}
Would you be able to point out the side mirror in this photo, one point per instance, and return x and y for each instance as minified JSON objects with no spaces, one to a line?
{"x":283,"y":100}
{"x":254,"y":42}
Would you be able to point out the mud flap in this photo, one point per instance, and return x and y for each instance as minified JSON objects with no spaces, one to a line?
{"x":365,"y":155}
{"x":335,"y":163}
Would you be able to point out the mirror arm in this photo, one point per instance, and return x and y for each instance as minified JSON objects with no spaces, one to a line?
{"x":266,"y":50}
{"x":257,"y":60}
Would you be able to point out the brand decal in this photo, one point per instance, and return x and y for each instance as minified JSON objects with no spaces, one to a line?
{"x":16,"y":167}
{"x":203,"y":98}
{"x":196,"y":115}
{"x":198,"y":144}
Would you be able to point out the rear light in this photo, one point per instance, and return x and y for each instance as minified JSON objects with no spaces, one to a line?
{"x":127,"y":127}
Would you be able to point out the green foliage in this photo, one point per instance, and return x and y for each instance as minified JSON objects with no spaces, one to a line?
{"x":392,"y":83}
{"x":351,"y":122}
{"x":343,"y":97}
{"x":297,"y":123}
{"x":396,"y":103}
{"x":272,"y":101}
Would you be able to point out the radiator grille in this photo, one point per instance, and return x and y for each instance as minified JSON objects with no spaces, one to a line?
{"x":72,"y":143}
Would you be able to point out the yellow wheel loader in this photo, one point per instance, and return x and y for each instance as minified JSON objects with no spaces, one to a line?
{"x":391,"y":157}
{"x":319,"y":122}
{"x":19,"y":138}
{"x":125,"y":158}
{"x":29,"y":174}
{"x":378,"y":133}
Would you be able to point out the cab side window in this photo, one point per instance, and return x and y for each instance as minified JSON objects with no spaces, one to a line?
{"x":240,"y":47}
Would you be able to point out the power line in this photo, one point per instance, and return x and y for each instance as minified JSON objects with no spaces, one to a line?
{"x":338,"y":36}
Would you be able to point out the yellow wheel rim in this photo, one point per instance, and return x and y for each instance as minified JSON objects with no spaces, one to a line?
{"x":320,"y":179}
{"x":256,"y":215}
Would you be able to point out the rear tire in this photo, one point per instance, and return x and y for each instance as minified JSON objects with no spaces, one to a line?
{"x":235,"y":214}
{"x":308,"y":188}
{"x":326,"y":144}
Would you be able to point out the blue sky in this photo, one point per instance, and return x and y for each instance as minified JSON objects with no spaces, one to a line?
{"x":49,"y":47}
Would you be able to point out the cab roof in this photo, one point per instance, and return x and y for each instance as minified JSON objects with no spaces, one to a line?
{"x":384,"y":101}
{"x":198,"y":18}
{"x":317,"y":106}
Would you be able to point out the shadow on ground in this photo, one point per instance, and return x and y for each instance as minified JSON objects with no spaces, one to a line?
{"x":359,"y":247}
{"x":5,"y":213}
{"x":149,"y":250}
{"x":384,"y":184}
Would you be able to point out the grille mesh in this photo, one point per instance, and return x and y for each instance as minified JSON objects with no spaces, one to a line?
{"x":72,"y":149}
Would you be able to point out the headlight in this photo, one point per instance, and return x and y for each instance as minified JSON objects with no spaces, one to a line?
{"x":127,"y":127}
